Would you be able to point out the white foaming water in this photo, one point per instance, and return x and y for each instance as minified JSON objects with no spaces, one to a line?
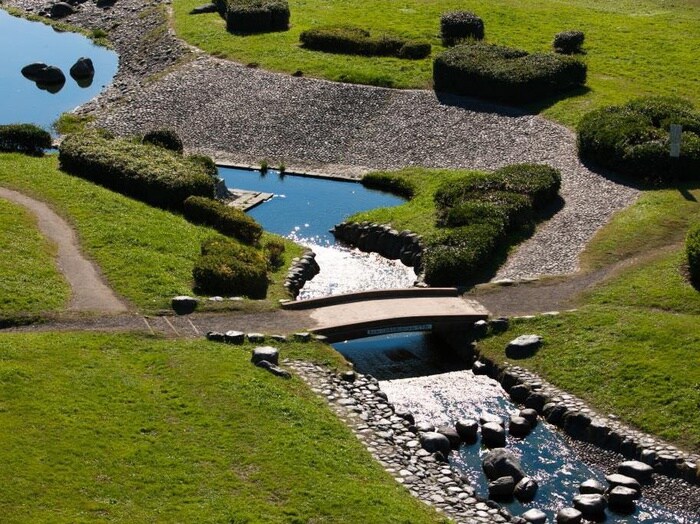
{"x":346,"y":270}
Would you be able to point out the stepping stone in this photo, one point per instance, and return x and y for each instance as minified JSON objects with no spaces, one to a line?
{"x":637,"y":470}
{"x":493,"y":435}
{"x":591,"y":506}
{"x":234,"y":337}
{"x":526,"y":489}
{"x":467,"y":429}
{"x":616,"y":479}
{"x":621,"y":499}
{"x":184,"y":305}
{"x":535,"y":516}
{"x":433,"y":442}
{"x":215,"y":336}
{"x":519,"y":427}
{"x":524,"y":346}
{"x":530,"y":415}
{"x":256,"y":337}
{"x":488,"y":417}
{"x":266,"y":353}
{"x":569,"y":516}
{"x":501,"y":488}
{"x":591,"y":486}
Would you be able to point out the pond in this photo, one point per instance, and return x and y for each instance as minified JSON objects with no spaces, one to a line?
{"x":21,"y":100}
{"x":304,"y":209}
{"x":420,"y":376}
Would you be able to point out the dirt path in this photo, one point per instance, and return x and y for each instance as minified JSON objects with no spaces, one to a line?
{"x":88,"y":291}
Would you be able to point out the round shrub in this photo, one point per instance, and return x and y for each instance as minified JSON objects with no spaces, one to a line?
{"x":456,"y":26}
{"x":165,"y":138}
{"x":568,"y":42}
{"x":24,"y":138}
{"x":633,"y":139}
{"x":274,"y":250}
{"x":538,"y":181}
{"x":692,"y":249}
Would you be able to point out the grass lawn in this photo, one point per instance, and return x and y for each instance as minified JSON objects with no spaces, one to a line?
{"x":146,"y":254}
{"x":632,"y":347}
{"x":129,"y":428}
{"x":633,"y":47}
{"x":30,"y":283}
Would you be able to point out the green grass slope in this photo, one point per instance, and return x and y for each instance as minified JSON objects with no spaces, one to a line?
{"x":128,"y":428}
{"x":633,"y":47}
{"x":30,"y":283}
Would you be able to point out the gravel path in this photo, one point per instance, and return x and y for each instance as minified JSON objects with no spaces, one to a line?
{"x":88,"y":291}
{"x":244,"y":115}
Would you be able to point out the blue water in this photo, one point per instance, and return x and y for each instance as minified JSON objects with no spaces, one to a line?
{"x":305,"y":208}
{"x":23,"y":42}
{"x":419,"y":376}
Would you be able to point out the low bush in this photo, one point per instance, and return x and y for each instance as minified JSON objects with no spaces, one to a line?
{"x":633,"y":139}
{"x":692,"y":249}
{"x":228,"y":268}
{"x":24,"y":138}
{"x":568,"y":42}
{"x":207,"y":163}
{"x":389,"y":182}
{"x":274,"y":249}
{"x":254,"y":16}
{"x":357,"y":41}
{"x":505,"y":74}
{"x":457,"y":26}
{"x":148,"y":173}
{"x":225,"y":219}
{"x":165,"y":138}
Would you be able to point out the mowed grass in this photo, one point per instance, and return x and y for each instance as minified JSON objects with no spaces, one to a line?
{"x":128,"y":428}
{"x":632,"y":346}
{"x":30,"y":283}
{"x":146,"y":254}
{"x":633,"y":47}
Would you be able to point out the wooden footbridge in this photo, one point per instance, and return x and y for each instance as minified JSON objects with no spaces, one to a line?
{"x":371,"y":313}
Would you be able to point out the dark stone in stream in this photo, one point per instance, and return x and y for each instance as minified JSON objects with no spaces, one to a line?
{"x":554,"y":413}
{"x":526,"y":489}
{"x":591,"y":486}
{"x":530,"y":415}
{"x":452,"y":436}
{"x":569,"y":516}
{"x":502,"y":488}
{"x":519,"y":427}
{"x":425,"y":427}
{"x":519,"y":393}
{"x":43,"y":74}
{"x":408,"y":417}
{"x":535,"y":516}
{"x":616,"y":479}
{"x":484,"y":418}
{"x":500,"y":463}
{"x":83,"y":68}
{"x":467,"y":429}
{"x":621,"y":499}
{"x":637,"y":470}
{"x":591,"y":506}
{"x":433,"y":442}
{"x":493,"y":435}
{"x":535,"y":401}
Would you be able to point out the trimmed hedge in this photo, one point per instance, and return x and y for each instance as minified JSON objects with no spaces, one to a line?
{"x":353,"y":40}
{"x":388,"y":182}
{"x":148,"y":173}
{"x":274,"y":250}
{"x":228,"y":268}
{"x":207,"y":163}
{"x":505,"y":74}
{"x":456,"y":26}
{"x":165,"y":138}
{"x":478,"y":212}
{"x":24,"y":138}
{"x":254,"y":16}
{"x":633,"y":139}
{"x":692,"y":249}
{"x":568,"y":42}
{"x":225,"y":219}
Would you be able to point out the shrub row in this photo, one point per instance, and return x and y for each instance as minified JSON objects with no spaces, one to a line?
{"x":24,"y":138}
{"x":228,"y":268}
{"x":457,"y":26}
{"x":478,"y":212}
{"x":389,"y":182}
{"x":148,"y":173}
{"x":505,"y":74}
{"x":254,"y":16}
{"x":634,"y":138}
{"x":692,"y":249}
{"x":165,"y":138}
{"x":357,"y":41}
{"x":225,"y":219}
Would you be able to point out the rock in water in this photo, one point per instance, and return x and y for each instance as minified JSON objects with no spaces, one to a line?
{"x":569,"y":516}
{"x":637,"y":470}
{"x":501,"y":463}
{"x":433,"y":442}
{"x":535,"y":516}
{"x":591,"y":506}
{"x":501,"y":488}
{"x":82,"y":69}
{"x":526,"y":489}
{"x":493,"y":435}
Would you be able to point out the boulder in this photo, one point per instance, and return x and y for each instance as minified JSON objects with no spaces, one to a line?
{"x":206,"y":8}
{"x":502,"y":463}
{"x":184,"y":305}
{"x":530,"y":415}
{"x":554,"y":413}
{"x":348,"y":376}
{"x":519,"y":427}
{"x":493,"y":435}
{"x":467,"y":429}
{"x":637,"y":470}
{"x":44,"y":74}
{"x":479,"y":368}
{"x":526,"y":489}
{"x":534,"y":515}
{"x":452,"y":436}
{"x":407,"y":416}
{"x":502,"y":488}
{"x":302,"y":337}
{"x":569,"y":516}
{"x":61,"y":10}
{"x":480,"y":329}
{"x":519,"y":393}
{"x":536,"y":401}
{"x":488,"y":417}
{"x":433,"y":442}
{"x":576,"y":424}
{"x":255,"y":338}
{"x":592,"y":506}
{"x":234,"y":337}
{"x":268,"y":353}
{"x":621,"y":499}
{"x":591,"y":486}
{"x":425,"y":427}
{"x":524,"y":346}
{"x":82,"y":68}
{"x":32,"y":70}
{"x":617,"y":479}
{"x":215,"y":336}
{"x":499,"y":325}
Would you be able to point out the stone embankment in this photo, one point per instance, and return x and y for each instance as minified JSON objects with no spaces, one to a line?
{"x":379,"y":238}
{"x":302,"y":270}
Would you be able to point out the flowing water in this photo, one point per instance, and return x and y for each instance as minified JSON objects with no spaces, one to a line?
{"x":23,"y":42}
{"x":418,"y":375}
{"x":304,"y":209}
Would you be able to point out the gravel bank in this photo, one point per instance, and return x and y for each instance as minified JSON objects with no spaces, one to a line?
{"x":244,"y":115}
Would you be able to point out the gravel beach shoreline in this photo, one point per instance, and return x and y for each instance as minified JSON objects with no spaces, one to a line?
{"x":241,"y":115}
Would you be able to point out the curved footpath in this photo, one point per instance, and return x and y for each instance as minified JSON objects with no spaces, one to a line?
{"x":88,"y":291}
{"x":244,"y":115}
